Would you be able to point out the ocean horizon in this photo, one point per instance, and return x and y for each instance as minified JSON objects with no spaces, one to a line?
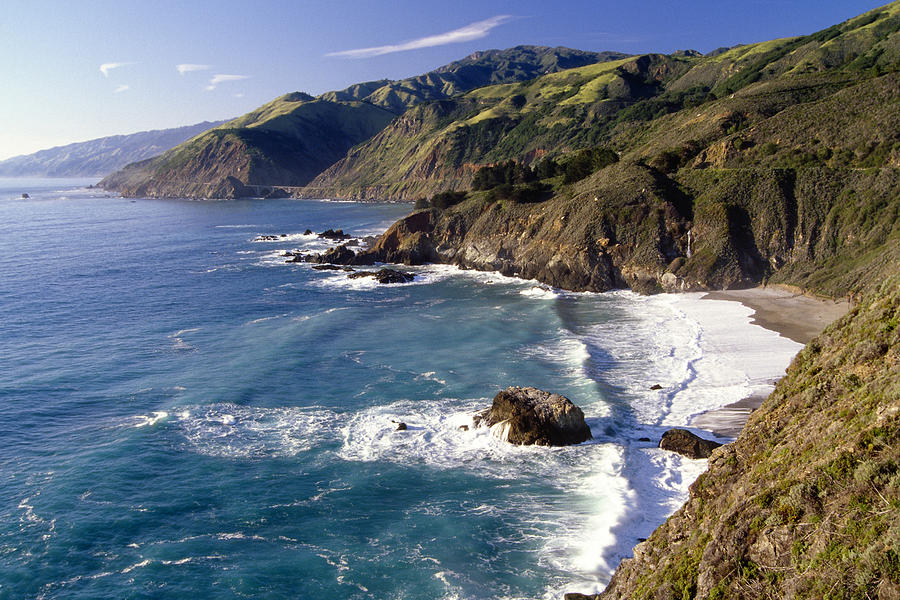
{"x":184,"y":412}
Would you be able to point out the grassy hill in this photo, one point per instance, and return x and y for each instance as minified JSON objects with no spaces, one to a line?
{"x":774,"y":104}
{"x":290,"y":140}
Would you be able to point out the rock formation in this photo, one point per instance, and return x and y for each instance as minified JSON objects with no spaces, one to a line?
{"x":532,"y":416}
{"x":687,"y":444}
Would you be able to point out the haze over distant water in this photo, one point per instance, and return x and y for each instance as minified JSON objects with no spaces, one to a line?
{"x":184,"y":414}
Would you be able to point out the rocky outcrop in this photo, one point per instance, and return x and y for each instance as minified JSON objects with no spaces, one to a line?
{"x":532,"y":416}
{"x":687,"y":444}
{"x":630,"y":226}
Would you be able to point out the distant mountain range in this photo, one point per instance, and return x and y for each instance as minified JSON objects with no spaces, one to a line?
{"x":99,"y":157}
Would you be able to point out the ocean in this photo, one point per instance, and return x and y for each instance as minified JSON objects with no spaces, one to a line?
{"x":184,"y":414}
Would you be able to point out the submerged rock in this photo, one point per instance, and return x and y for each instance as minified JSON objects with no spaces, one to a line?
{"x":532,"y":416}
{"x":384,"y":276}
{"x":686,"y":443}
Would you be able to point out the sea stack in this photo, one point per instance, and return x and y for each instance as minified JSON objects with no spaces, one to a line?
{"x":532,"y":416}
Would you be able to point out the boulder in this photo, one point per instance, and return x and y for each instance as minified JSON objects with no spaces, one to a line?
{"x":342,"y":255}
{"x":687,"y":444}
{"x":327,"y":268}
{"x":334,"y":234}
{"x":392,"y":276}
{"x":655,"y":386}
{"x":532,"y":416}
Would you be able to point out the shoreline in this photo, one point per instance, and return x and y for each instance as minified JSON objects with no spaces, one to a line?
{"x":788,"y":312}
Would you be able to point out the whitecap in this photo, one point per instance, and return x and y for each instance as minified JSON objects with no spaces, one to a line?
{"x":150,"y":420}
{"x":235,"y":431}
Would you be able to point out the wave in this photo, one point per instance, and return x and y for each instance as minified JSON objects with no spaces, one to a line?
{"x":235,"y":431}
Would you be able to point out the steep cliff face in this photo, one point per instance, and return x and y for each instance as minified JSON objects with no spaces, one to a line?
{"x":831,"y":231}
{"x":806,"y":503}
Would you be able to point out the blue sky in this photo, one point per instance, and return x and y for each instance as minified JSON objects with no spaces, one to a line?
{"x":236,"y":55}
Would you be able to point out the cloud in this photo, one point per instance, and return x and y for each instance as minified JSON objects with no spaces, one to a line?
{"x":105,"y":68}
{"x":217,"y":79}
{"x":121,"y":88}
{"x":188,"y":67}
{"x":470,"y":32}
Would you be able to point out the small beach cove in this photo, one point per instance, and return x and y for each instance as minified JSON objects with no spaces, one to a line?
{"x":784,"y":310}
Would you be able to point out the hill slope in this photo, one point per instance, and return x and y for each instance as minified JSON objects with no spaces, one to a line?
{"x":806,"y":502}
{"x":643,"y":106}
{"x":293,"y":138}
{"x":101,"y":156}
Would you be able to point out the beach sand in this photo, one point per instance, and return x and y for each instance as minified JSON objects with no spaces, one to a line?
{"x":781,"y":309}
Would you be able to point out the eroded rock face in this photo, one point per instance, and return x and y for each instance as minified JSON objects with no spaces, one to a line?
{"x":532,"y":416}
{"x":686,"y":443}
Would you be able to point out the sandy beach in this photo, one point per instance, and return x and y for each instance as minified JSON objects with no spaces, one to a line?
{"x":792,"y":314}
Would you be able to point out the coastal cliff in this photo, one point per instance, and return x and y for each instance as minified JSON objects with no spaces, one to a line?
{"x":829,"y":231}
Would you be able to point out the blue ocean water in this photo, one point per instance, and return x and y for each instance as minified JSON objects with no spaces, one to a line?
{"x":183,"y":414}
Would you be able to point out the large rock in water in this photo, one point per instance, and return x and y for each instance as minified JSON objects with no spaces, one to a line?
{"x":686,"y":443}
{"x":532,"y":416}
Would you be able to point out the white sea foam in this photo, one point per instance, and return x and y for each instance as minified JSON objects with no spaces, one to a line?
{"x":540,"y":291}
{"x":150,"y":420}
{"x":235,"y":431}
{"x":178,"y":342}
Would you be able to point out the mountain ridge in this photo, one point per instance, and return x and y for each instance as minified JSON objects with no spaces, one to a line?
{"x":101,"y":156}
{"x":308,"y":134}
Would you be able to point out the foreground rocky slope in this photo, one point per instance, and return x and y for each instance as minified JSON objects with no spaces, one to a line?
{"x":806,"y":502}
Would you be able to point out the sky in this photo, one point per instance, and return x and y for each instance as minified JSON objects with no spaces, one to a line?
{"x":78,"y":70}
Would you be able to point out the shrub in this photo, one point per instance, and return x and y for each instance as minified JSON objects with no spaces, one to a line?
{"x":587,"y":161}
{"x":447,"y":199}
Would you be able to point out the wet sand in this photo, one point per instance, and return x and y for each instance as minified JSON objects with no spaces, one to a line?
{"x":792,"y":314}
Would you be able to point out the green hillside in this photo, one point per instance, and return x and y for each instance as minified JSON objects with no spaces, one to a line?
{"x":290,"y":140}
{"x":768,"y":104}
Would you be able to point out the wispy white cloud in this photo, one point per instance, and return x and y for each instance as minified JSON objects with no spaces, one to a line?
{"x":473,"y":31}
{"x":188,"y":67}
{"x":121,"y":88}
{"x":105,"y":68}
{"x":217,"y":79}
